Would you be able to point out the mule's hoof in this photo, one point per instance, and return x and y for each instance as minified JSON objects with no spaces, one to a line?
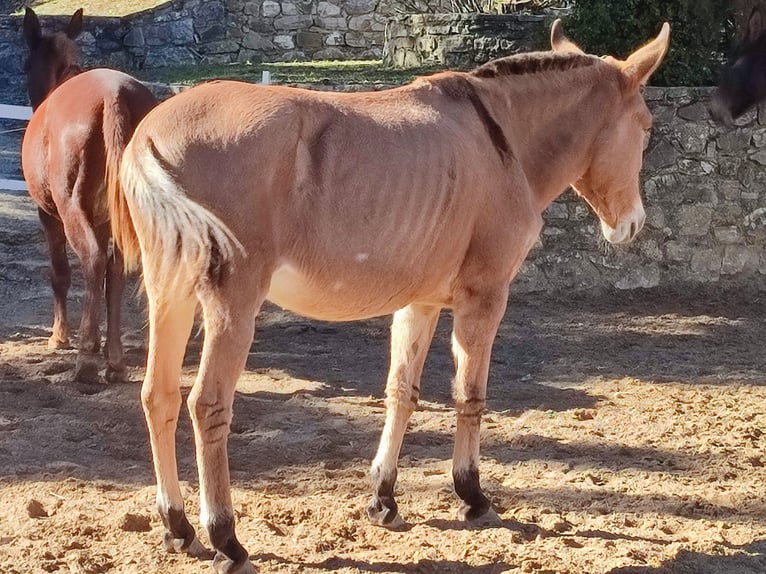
{"x":224,"y":565}
{"x":489,"y":518}
{"x":116,"y":374}
{"x":386,"y":516}
{"x":476,"y":512}
{"x":56,"y":344}
{"x":86,"y":370}
{"x":196,"y":549}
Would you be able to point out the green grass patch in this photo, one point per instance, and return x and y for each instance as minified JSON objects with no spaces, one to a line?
{"x":94,"y":7}
{"x":366,"y":72}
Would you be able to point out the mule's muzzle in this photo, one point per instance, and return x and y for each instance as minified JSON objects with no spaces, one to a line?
{"x":627,"y":227}
{"x":719,"y":111}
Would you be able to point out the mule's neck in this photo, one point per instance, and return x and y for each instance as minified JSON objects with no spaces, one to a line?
{"x":69,"y":72}
{"x":551,"y":120}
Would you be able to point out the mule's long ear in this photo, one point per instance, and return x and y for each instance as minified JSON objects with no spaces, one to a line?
{"x":74,"y":27}
{"x":32,"y":32}
{"x":559,"y":42}
{"x":642,"y":63}
{"x":754,"y":26}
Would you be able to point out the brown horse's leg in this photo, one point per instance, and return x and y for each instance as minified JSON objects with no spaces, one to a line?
{"x":60,"y":279}
{"x":477,"y":316}
{"x":90,"y":247}
{"x":115,"y":286}
{"x":229,"y":325}
{"x":411,"y":333}
{"x":170,"y":321}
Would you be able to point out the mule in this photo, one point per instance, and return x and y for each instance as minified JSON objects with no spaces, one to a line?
{"x":743,"y":82}
{"x":349,"y":206}
{"x":81,"y":124}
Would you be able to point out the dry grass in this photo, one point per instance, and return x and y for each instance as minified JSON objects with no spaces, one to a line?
{"x":95,"y":7}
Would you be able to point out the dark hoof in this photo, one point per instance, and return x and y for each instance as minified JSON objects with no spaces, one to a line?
{"x":386,"y":515}
{"x":224,"y":565}
{"x":117,"y":374}
{"x":56,"y":344}
{"x":86,"y":370}
{"x":475,"y":510}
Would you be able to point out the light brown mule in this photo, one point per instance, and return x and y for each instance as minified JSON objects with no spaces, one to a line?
{"x":346,"y":206}
{"x":74,"y":141}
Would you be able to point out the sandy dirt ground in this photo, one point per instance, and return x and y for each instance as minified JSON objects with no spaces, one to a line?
{"x":624,"y":434}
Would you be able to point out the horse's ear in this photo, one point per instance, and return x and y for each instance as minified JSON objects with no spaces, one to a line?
{"x":559,"y":42}
{"x":32,"y":32}
{"x":74,"y":27}
{"x":754,"y":26}
{"x":642,"y":63}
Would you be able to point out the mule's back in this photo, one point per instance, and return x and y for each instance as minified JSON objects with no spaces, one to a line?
{"x":406,"y":172}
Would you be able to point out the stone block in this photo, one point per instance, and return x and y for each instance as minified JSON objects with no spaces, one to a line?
{"x":134,"y":38}
{"x":661,"y":155}
{"x":284,"y":42}
{"x":334,"y":39}
{"x":696,"y":112}
{"x":694,"y":220}
{"x":734,"y":141}
{"x":333,"y":23}
{"x":255,"y":41}
{"x":706,"y":264}
{"x":326,"y":9}
{"x":293,"y":22}
{"x":729,"y":234}
{"x":309,"y":41}
{"x":356,"y":40}
{"x":270,"y":9}
{"x":355,"y":7}
{"x":557,"y":210}
{"x":739,"y":258}
{"x":360,"y":23}
{"x":644,"y":277}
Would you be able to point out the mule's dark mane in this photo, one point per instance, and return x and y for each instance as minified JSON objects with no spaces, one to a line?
{"x":534,"y":63}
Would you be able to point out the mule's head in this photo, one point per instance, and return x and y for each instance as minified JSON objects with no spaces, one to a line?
{"x":610,"y":182}
{"x":743,"y":83}
{"x":52,"y":57}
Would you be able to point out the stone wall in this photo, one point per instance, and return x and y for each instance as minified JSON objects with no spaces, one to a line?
{"x":704,"y":191}
{"x":461,"y":40}
{"x":185,"y":32}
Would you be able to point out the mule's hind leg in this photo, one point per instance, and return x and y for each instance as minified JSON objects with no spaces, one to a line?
{"x":115,"y":286}
{"x":477,"y":316}
{"x":229,"y":317}
{"x":170,"y":321}
{"x":90,"y":245}
{"x":411,"y":333}
{"x":60,"y":278}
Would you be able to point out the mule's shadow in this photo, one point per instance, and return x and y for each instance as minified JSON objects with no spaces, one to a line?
{"x":751,"y":559}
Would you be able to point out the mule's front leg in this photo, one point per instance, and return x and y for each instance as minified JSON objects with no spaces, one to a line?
{"x":60,"y":279}
{"x":411,"y":333}
{"x":228,"y":335}
{"x":477,"y":318}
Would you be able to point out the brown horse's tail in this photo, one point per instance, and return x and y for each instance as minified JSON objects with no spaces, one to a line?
{"x":119,"y":124}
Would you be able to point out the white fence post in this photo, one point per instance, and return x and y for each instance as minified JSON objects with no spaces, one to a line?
{"x":10,"y":112}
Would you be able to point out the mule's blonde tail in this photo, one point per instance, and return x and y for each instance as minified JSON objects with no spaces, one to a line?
{"x":181,"y":241}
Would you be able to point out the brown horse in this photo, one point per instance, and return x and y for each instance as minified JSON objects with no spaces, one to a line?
{"x":75,"y":139}
{"x":743,"y":83}
{"x":347,"y":206}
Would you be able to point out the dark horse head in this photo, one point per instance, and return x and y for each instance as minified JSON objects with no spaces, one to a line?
{"x":53,"y":58}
